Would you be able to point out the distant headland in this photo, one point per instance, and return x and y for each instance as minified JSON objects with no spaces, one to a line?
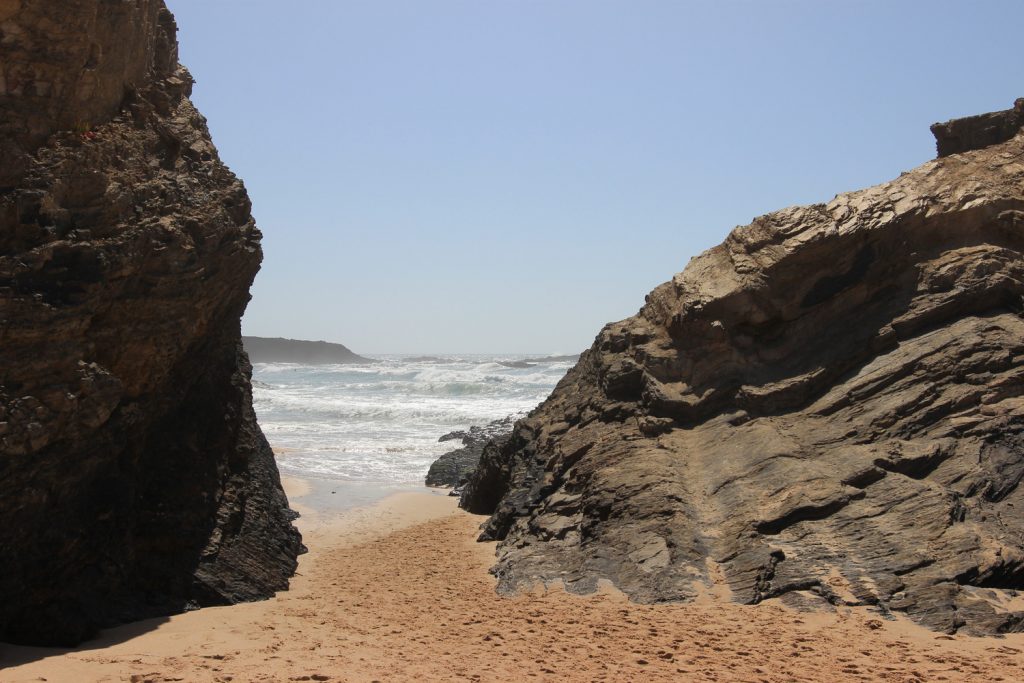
{"x":278,"y":350}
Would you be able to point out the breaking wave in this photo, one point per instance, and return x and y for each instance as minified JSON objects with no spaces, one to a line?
{"x":380,"y":421}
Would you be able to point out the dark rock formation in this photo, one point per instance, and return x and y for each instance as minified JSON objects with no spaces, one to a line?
{"x":517,"y":364}
{"x":829,"y":405}
{"x":533,"y":362}
{"x":277,"y":350}
{"x":454,"y":467}
{"x":134,"y":480}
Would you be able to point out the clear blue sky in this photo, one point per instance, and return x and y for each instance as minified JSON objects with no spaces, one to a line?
{"x":484,"y":176}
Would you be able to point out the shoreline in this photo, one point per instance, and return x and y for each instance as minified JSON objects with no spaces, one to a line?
{"x":320,"y":499}
{"x":399,"y":590}
{"x":331,"y":497}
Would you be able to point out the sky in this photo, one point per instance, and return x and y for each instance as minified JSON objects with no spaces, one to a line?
{"x":485,"y":176}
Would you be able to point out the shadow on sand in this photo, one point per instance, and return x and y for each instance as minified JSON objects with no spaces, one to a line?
{"x":17,"y":655}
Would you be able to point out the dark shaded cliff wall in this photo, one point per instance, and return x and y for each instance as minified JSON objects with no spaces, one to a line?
{"x":134,"y":480}
{"x":827,"y":407}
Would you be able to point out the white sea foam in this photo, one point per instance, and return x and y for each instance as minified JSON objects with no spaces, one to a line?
{"x":380,"y":421}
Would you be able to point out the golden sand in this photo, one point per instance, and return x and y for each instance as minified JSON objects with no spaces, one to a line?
{"x":399,"y":591}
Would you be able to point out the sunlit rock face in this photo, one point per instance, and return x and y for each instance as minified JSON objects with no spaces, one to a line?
{"x":134,"y":480}
{"x":827,"y":407}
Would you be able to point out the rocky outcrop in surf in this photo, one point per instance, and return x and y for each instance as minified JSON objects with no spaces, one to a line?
{"x":134,"y":480}
{"x":454,"y":467}
{"x":829,"y":406}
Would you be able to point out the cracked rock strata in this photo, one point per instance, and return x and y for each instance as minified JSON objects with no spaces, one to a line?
{"x":134,"y":480}
{"x":828,"y":406}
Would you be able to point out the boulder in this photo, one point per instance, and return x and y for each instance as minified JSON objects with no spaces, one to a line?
{"x":454,"y":467}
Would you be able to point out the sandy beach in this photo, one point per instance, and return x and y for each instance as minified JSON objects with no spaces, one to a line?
{"x":399,"y":590}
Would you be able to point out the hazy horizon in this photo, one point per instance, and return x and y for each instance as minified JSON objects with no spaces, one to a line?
{"x":466,"y":177}
{"x":381,"y":354}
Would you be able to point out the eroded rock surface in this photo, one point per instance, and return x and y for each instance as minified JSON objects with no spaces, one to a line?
{"x":977,"y":132}
{"x":829,"y":406}
{"x":134,"y":480}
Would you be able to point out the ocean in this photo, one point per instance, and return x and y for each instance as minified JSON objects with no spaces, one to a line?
{"x":379,"y":423}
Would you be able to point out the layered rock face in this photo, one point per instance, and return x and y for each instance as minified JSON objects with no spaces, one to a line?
{"x":134,"y":480}
{"x":828,"y":406}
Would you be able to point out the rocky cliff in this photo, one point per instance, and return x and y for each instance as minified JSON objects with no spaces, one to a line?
{"x":828,"y":406}
{"x":134,"y":480}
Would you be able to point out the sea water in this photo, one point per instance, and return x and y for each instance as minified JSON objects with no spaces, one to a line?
{"x":380,"y":422}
